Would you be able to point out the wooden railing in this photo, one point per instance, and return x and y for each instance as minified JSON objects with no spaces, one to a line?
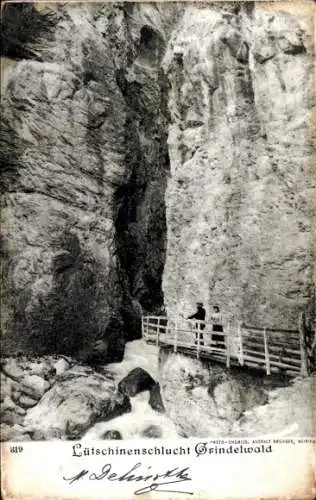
{"x":264,"y":348}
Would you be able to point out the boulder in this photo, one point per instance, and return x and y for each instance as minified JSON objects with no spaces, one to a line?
{"x":26,"y":401}
{"x":15,"y":394}
{"x":184,"y":385}
{"x":40,"y":368}
{"x":50,"y":434}
{"x":6,"y":386}
{"x":7,"y":404}
{"x":111,"y":434}
{"x":77,"y":400}
{"x":20,"y":411}
{"x":11,"y":417}
{"x":34,"y":386}
{"x":13,"y":370}
{"x":122,"y":405}
{"x":152,"y":431}
{"x":13,"y":433}
{"x":136,"y":381}
{"x":229,"y":400}
{"x":61,"y":366}
{"x":155,"y":400}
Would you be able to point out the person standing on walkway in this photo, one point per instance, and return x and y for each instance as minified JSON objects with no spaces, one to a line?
{"x":199,"y":315}
{"x":216,"y":319}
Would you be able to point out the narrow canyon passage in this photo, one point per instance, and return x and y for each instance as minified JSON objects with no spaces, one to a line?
{"x":153,"y":155}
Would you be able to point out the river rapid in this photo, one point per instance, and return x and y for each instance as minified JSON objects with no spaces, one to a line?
{"x":142,"y":421}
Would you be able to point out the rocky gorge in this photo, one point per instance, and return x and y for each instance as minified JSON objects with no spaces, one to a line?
{"x":148,"y":395}
{"x":152,"y":155}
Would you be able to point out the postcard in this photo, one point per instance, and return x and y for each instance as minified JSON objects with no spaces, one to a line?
{"x":158,"y":309}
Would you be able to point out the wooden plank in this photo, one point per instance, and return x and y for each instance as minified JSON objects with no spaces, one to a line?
{"x":253,"y":345}
{"x":157,"y":340}
{"x":143,"y":328}
{"x":303,"y":347}
{"x":241,"y":356}
{"x":185,"y":344}
{"x":283,"y":358}
{"x":147,"y":327}
{"x":213,"y":349}
{"x":228,"y":347}
{"x":287,"y":333}
{"x":278,"y":348}
{"x":273,"y":363}
{"x":284,"y":365}
{"x":283,"y":330}
{"x":285,"y":341}
{"x":198,"y":339}
{"x":266,"y":352}
{"x":152,"y":325}
{"x":175,"y":337}
{"x":217,"y":343}
{"x":273,"y":337}
{"x":273,"y":330}
{"x":260,"y":355}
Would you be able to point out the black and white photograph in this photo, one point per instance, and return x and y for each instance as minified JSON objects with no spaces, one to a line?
{"x":157,"y":221}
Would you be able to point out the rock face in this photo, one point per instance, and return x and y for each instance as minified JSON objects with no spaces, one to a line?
{"x":23,"y":383}
{"x":75,"y":402}
{"x":84,"y":169}
{"x":205,"y":399}
{"x":239,"y":200}
{"x":86,"y":222}
{"x":55,"y":398}
{"x":290,"y":410}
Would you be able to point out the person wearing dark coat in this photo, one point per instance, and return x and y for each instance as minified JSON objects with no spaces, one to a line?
{"x":200,"y":315}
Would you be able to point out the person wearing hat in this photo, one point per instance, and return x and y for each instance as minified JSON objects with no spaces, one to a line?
{"x":200,"y":315}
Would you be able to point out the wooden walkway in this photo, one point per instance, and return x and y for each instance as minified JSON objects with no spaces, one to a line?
{"x":265,"y":349}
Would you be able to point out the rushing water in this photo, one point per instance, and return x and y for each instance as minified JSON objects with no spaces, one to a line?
{"x":286,"y":414}
{"x":142,"y":421}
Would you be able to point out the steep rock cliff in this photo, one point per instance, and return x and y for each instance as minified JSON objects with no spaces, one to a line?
{"x":239,"y":201}
{"x":84,"y":162}
{"x":86,"y":165}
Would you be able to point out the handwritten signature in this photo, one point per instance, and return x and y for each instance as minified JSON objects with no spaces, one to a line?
{"x":157,"y":482}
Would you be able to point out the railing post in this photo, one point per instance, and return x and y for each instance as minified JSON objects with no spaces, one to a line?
{"x":145,"y":328}
{"x":241,"y":352}
{"x":158,"y":331}
{"x":198,"y":331}
{"x":266,"y":351}
{"x":227,"y":344}
{"x":175,"y":336}
{"x":303,"y":347}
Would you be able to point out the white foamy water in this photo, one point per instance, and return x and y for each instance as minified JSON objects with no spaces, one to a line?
{"x":137,"y":353}
{"x":142,"y":421}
